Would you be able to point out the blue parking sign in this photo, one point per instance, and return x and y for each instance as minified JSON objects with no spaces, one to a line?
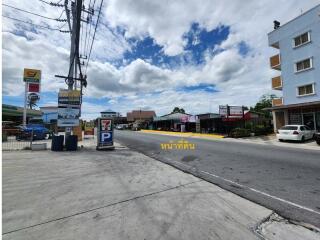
{"x":106,"y":137}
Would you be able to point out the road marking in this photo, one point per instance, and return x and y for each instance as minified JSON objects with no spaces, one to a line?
{"x":255,"y":190}
{"x":182,"y":134}
{"x":263,"y":193}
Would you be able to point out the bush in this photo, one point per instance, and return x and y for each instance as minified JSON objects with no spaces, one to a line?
{"x":239,"y":132}
{"x":261,"y":130}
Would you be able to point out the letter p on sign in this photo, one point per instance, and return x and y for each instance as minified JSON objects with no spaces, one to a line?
{"x":105,"y":137}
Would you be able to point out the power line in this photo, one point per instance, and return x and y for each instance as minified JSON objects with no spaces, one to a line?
{"x":94,"y":33}
{"x":60,"y":14}
{"x":19,"y":9}
{"x":36,"y":25}
{"x":53,"y":4}
{"x":87,"y":45}
{"x":35,"y":14}
{"x":85,"y":40}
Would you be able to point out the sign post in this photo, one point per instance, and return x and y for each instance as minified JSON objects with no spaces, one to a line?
{"x":105,"y":134}
{"x":68,"y":108}
{"x":25,"y":104}
{"x":31,"y":78}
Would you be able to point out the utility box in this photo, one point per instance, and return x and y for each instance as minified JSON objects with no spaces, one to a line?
{"x":105,"y":134}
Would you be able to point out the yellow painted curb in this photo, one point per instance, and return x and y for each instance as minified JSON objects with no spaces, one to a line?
{"x":187,"y":134}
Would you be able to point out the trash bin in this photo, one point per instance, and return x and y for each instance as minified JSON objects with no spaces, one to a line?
{"x":72,"y":143}
{"x":57,"y":143}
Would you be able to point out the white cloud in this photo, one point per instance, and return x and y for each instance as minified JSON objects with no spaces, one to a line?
{"x":168,"y":22}
{"x":239,"y":79}
{"x":19,"y":53}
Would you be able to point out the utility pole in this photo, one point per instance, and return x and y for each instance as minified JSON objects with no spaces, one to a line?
{"x":77,"y":39}
{"x":25,"y":104}
{"x":72,"y":47}
{"x":76,"y":9}
{"x":72,"y":77}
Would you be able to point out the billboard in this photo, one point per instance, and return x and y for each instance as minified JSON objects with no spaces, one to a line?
{"x":68,"y":117}
{"x":69,"y":98}
{"x":31,"y":75}
{"x":223,"y":110}
{"x":235,"y":111}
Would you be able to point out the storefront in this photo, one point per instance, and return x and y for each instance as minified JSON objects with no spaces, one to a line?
{"x":211,"y":123}
{"x":297,"y":114}
{"x":178,"y":122}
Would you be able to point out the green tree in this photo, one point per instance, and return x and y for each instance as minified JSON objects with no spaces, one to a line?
{"x":265,"y":101}
{"x":178,"y":110}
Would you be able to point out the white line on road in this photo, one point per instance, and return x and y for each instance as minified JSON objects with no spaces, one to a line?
{"x":263,"y":193}
{"x":252,"y":189}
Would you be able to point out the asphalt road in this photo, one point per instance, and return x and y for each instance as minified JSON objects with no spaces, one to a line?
{"x":286,"y":180}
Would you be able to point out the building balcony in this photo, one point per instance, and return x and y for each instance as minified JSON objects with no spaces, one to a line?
{"x":275,"y":62}
{"x":277,"y":83}
{"x":275,"y":45}
{"x":277,"y":102}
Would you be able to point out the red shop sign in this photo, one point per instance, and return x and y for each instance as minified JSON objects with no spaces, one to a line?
{"x":34,"y":87}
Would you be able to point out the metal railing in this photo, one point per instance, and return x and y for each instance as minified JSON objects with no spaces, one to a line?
{"x":10,"y":143}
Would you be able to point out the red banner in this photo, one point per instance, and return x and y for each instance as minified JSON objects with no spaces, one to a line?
{"x":33,"y":87}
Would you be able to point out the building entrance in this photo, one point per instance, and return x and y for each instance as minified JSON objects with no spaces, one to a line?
{"x":309,"y":120}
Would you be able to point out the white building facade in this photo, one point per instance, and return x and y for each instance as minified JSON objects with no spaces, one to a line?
{"x":297,"y":70}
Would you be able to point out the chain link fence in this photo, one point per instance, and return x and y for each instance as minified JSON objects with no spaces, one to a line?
{"x":12,"y":141}
{"x":21,"y":141}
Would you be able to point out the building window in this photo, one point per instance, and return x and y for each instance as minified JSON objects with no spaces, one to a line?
{"x":306,"y":90}
{"x":301,"y":39}
{"x":303,"y":65}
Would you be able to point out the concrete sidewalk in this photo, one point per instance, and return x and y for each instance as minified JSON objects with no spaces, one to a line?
{"x":122,"y":194}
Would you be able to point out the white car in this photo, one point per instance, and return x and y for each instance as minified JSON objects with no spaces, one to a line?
{"x":295,"y":132}
{"x":119,"y":127}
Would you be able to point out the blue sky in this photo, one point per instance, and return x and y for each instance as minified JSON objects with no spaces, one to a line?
{"x":198,"y":42}
{"x":147,"y":55}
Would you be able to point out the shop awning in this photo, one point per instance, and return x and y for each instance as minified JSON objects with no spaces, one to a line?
{"x":10,"y":110}
{"x":299,"y":105}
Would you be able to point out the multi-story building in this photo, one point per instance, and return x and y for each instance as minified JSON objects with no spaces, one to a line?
{"x":297,"y":66}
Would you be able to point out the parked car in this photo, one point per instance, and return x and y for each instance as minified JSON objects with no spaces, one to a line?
{"x":119,"y":127}
{"x":317,"y":137}
{"x":39,"y":132}
{"x":295,"y":133}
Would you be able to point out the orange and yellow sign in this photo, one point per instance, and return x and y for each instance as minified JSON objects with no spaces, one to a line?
{"x":31,"y":75}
